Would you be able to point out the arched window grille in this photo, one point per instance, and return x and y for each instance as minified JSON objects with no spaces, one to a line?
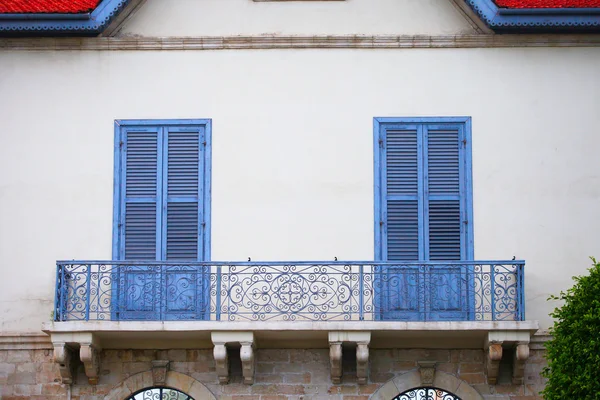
{"x":426,"y":393}
{"x":160,"y":393}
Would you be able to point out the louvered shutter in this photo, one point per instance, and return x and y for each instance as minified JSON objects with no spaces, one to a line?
{"x":183,"y":192}
{"x":140,"y":205}
{"x":184,"y":166}
{"x":443,"y":206}
{"x":402,"y":193}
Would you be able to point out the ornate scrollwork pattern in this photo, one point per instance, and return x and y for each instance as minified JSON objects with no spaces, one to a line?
{"x":160,"y":394}
{"x":289,"y":291}
{"x":426,"y":393}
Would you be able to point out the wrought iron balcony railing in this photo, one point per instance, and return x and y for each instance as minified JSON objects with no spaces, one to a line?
{"x":291,"y":290}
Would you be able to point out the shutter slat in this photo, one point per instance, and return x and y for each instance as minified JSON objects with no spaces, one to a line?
{"x":403,"y":230}
{"x":140,"y":231}
{"x":141,"y":170}
{"x":443,"y":162}
{"x":401,"y":162}
{"x":182,"y":231}
{"x":183,"y":163}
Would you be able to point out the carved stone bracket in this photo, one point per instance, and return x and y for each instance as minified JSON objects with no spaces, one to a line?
{"x":521,"y":356}
{"x":63,"y":355}
{"x":247,"y":357}
{"x":88,"y":353}
{"x":492,"y":361}
{"x":221,"y":362}
{"x":246,"y":341}
{"x":362,"y":362}
{"x":519,"y":340}
{"x":159,"y":372}
{"x":362,"y":340}
{"x":427,"y":371}
{"x":64,"y":351}
{"x":335,"y":360}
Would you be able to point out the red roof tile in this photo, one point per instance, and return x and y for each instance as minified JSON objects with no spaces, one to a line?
{"x":47,"y":6}
{"x":548,"y":3}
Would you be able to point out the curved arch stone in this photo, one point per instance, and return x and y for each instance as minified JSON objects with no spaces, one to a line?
{"x":412,"y":380}
{"x":175,"y":380}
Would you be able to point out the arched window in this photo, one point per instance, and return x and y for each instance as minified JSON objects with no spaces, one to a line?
{"x":426,"y":393}
{"x":159,"y":394}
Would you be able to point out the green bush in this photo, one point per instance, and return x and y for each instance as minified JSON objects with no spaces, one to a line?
{"x":573,"y":353}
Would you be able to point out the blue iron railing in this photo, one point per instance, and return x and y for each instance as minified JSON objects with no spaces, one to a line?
{"x":313,"y":291}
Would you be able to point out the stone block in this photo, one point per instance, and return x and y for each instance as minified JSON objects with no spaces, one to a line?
{"x":368,"y":389}
{"x":54,"y":389}
{"x":471,"y":356}
{"x":133,"y":368}
{"x":309,"y":356}
{"x":343,"y":389}
{"x":176,"y":355}
{"x":424,"y":355}
{"x":403,"y":366}
{"x":141,"y":380}
{"x":474,"y":378}
{"x":380,"y":377}
{"x":143,"y":355}
{"x":277,"y":389}
{"x":19,"y":356}
{"x":466,"y":368}
{"x":272,"y":355}
{"x":269,"y":378}
{"x":27,"y":378}
{"x":304,"y":378}
{"x":27,"y":390}
{"x":264,"y":368}
{"x":282,"y":368}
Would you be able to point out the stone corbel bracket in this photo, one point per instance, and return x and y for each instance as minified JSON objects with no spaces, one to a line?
{"x":246,"y":341}
{"x":494,"y":344}
{"x":63,"y":355}
{"x":89,"y":353}
{"x":362,"y":340}
{"x":427,"y":372}
{"x":159,"y":372}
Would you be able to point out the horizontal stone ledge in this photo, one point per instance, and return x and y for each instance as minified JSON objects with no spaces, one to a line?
{"x":25,"y":341}
{"x":127,"y":43}
{"x":215,"y":326}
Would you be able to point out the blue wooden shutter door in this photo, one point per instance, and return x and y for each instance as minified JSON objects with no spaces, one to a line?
{"x":186,"y":295}
{"x":402,"y":183}
{"x":139,"y":286}
{"x":423,"y":210}
{"x":162,"y":190}
{"x":444,"y":204}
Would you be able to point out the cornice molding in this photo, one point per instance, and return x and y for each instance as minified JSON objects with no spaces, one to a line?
{"x":298,"y":42}
{"x":25,"y":341}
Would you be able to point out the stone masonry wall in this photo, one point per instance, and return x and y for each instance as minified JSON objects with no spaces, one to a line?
{"x":280,"y":374}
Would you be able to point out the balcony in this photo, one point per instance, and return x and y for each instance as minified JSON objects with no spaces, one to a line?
{"x":291,"y":304}
{"x":292,"y":291}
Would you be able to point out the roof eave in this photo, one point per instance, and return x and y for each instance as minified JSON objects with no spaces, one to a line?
{"x":88,"y":24}
{"x":535,"y":20}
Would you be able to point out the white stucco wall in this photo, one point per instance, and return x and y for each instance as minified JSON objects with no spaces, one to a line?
{"x":293,"y":153}
{"x":246,"y":17}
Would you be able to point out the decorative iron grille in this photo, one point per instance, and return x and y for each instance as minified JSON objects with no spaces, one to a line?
{"x":312,"y":291}
{"x":160,"y":394}
{"x":426,"y":393}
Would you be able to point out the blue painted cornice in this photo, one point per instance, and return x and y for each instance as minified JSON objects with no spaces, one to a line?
{"x":90,"y":24}
{"x":531,"y":20}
